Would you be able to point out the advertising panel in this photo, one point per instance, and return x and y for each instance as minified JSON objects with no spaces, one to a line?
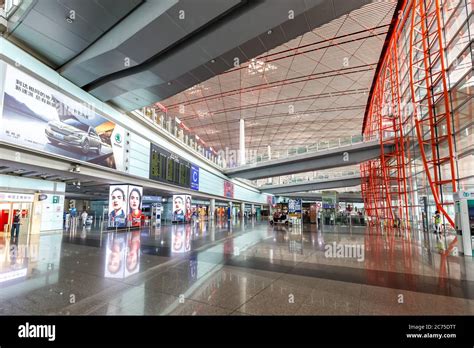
{"x":194,"y":177}
{"x":39,"y":117}
{"x":188,"y":208}
{"x":179,"y":210}
{"x":294,"y":206}
{"x":135,"y":194}
{"x":118,"y":206}
{"x":228,"y":189}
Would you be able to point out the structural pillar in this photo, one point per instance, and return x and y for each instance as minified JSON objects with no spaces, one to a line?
{"x":269,"y":152}
{"x":229,"y":215}
{"x":212,"y":208}
{"x":242,"y":209}
{"x":252,"y":211}
{"x":242,"y":143}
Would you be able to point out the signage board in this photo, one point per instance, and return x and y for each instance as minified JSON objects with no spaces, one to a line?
{"x":42,"y":118}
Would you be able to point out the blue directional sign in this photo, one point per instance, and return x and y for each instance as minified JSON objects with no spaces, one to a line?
{"x":195,"y":177}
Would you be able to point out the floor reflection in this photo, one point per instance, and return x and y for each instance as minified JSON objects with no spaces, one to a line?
{"x":232,"y":267}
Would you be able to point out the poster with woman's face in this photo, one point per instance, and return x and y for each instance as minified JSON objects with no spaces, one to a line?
{"x":179,"y":207}
{"x":118,"y":205}
{"x":188,"y":208}
{"x":135,"y":194}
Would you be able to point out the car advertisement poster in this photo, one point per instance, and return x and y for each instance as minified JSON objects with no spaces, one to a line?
{"x":118,"y":206}
{"x":39,"y":117}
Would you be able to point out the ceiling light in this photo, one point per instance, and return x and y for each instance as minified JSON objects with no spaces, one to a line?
{"x":69,"y":20}
{"x":213,"y":60}
{"x":269,"y":32}
{"x":169,"y":83}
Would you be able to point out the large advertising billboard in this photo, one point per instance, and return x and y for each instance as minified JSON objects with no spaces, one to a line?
{"x":39,"y":117}
{"x":118,"y":206}
{"x":135,"y":194}
{"x":179,"y":208}
{"x":182,"y":209}
{"x":125,"y":206}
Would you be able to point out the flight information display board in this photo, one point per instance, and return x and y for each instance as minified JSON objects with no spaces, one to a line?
{"x":169,"y":168}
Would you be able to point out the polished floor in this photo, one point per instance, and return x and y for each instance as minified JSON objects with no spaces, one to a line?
{"x":238,"y":268}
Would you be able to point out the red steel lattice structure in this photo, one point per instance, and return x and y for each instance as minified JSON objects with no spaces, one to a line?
{"x":385,"y":186}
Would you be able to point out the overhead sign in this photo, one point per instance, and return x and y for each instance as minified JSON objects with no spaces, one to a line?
{"x":294,"y":206}
{"x":169,"y":168}
{"x":15,"y":197}
{"x":41,"y":118}
{"x":194,"y":177}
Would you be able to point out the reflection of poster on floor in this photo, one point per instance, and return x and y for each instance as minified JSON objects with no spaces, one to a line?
{"x":114,"y":255}
{"x":132,"y":257}
{"x":178,"y":239}
{"x":38,"y":117}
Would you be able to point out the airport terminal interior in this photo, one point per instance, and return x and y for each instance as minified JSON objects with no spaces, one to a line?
{"x":234,"y":157}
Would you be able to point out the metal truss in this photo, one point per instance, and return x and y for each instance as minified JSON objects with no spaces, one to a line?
{"x":385,"y":186}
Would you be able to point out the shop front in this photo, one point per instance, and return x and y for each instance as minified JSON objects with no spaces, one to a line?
{"x":12,"y":203}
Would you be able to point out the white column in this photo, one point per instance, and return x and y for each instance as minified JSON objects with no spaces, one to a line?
{"x":269,"y":151}
{"x":212,"y":208}
{"x":242,"y":142}
{"x":242,"y":209}
{"x":252,"y":211}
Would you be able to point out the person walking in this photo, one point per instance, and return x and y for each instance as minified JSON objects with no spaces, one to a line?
{"x":84,"y":217}
{"x":16,"y":227}
{"x":437,"y":222}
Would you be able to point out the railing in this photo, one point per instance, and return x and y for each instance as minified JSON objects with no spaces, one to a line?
{"x":310,"y":177}
{"x":193,"y":143}
{"x":312,"y":148}
{"x":189,"y":140}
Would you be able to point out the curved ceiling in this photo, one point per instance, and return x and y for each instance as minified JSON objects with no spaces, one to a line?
{"x":132,"y":53}
{"x":307,"y":91}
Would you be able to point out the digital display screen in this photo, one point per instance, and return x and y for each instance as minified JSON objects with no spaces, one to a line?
{"x":169,"y":168}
